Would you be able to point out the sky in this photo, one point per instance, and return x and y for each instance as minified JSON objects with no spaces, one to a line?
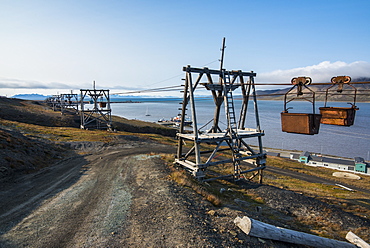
{"x":53,"y":47}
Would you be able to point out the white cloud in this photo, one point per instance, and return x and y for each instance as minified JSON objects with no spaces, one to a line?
{"x":13,"y":86}
{"x":29,"y":84}
{"x":12,"y":83}
{"x":319,"y":73}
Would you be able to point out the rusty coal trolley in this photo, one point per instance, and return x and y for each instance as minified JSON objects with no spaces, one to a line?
{"x":341,"y":116}
{"x":301,"y":123}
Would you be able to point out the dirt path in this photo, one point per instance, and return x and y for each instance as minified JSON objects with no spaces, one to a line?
{"x":115,"y":198}
{"x":120,"y":195}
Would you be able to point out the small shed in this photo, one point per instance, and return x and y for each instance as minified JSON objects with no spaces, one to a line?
{"x":360,"y":165}
{"x":294,"y":156}
{"x":304,"y":157}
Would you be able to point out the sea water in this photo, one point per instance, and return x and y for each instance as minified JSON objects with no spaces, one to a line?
{"x":349,"y":142}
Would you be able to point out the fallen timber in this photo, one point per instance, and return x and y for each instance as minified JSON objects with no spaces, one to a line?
{"x":354,"y":239}
{"x":259,"y":229}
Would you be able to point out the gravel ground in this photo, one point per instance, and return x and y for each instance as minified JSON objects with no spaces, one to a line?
{"x":120,"y":195}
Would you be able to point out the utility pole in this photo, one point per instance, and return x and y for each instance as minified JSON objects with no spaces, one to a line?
{"x":222,"y":54}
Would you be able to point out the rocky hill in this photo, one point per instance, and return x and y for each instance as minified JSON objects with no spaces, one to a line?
{"x":27,"y":141}
{"x":61,"y":186}
{"x":362,"y":95}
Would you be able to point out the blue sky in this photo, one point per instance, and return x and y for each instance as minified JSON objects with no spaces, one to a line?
{"x":52,"y":47}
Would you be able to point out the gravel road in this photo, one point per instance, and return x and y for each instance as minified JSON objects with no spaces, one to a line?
{"x":119,"y":195}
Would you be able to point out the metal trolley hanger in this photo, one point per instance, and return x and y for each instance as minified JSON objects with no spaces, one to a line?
{"x":341,"y":116}
{"x":301,"y":123}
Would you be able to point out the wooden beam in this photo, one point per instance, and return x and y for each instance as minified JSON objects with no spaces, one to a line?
{"x":354,"y":239}
{"x":217,"y":72}
{"x":259,"y":229}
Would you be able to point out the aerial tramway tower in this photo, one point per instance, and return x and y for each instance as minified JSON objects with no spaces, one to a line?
{"x":226,"y":145}
{"x":100,"y":115}
{"x":54,"y":102}
{"x":69,"y":101}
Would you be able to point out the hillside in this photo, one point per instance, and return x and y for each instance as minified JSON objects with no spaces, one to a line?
{"x":363,"y":92}
{"x":32,"y":134}
{"x":61,"y":186}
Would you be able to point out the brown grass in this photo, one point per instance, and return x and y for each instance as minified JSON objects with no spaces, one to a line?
{"x":183,"y":178}
{"x":321,"y":172}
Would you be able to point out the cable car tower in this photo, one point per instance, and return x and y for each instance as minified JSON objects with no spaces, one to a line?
{"x":69,"y":101}
{"x":54,"y":102}
{"x":230,"y":140}
{"x":100,"y":116}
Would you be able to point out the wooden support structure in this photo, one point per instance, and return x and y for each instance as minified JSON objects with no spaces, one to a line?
{"x":259,"y":229}
{"x":69,"y":101}
{"x":98,"y":115}
{"x":208,"y":145}
{"x":54,"y":102}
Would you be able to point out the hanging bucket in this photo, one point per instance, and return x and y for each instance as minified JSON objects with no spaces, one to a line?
{"x":301,"y":123}
{"x":340,"y":116}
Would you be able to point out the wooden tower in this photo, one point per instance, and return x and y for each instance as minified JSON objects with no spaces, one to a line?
{"x":69,"y":101}
{"x":208,"y":145}
{"x":100,"y":115}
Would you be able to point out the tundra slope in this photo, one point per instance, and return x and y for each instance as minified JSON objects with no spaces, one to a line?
{"x":118,"y":193}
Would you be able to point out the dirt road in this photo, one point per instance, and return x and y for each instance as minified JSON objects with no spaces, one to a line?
{"x":118,"y":197}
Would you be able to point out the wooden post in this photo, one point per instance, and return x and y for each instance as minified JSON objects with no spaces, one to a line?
{"x":262,"y":230}
{"x":194,"y":117}
{"x":354,"y":239}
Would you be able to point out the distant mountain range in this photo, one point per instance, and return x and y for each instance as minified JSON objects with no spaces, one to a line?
{"x":362,"y":95}
{"x":30,"y":96}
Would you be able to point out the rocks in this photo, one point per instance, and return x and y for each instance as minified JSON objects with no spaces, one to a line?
{"x":299,"y":205}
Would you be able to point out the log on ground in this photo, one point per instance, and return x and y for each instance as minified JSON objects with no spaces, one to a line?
{"x":259,"y":229}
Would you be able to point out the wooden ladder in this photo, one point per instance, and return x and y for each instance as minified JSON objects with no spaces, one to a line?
{"x":234,"y":142}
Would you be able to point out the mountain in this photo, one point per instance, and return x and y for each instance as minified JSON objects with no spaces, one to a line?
{"x":362,"y":95}
{"x":30,"y":96}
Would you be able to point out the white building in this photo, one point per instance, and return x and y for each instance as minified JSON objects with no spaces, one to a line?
{"x":356,"y":165}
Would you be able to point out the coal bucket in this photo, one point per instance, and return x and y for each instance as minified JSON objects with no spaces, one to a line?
{"x":301,"y":123}
{"x":338,"y":115}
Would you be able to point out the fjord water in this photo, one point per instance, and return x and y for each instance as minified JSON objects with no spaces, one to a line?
{"x":349,"y":142}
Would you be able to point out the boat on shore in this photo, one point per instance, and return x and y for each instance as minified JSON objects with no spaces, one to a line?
{"x":175,"y":121}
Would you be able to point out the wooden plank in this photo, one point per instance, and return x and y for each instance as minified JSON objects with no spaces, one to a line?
{"x":259,"y":229}
{"x":221,"y":136}
{"x":344,"y":187}
{"x":217,"y":72}
{"x":354,"y":239}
